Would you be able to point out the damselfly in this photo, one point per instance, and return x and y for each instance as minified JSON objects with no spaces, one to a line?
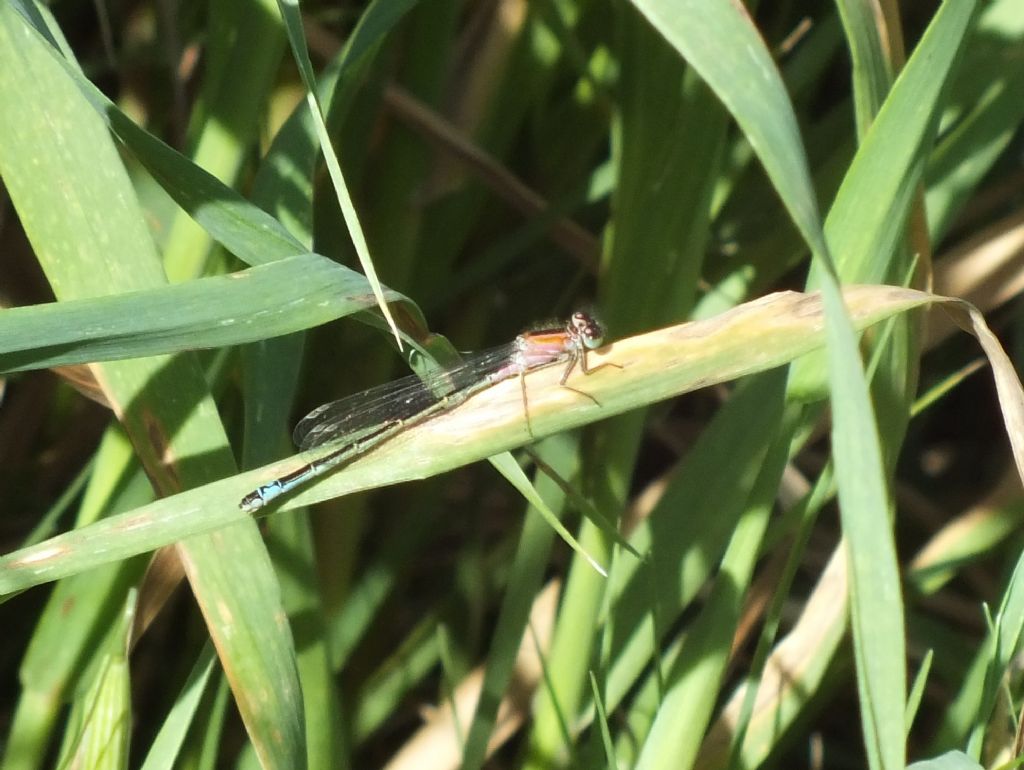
{"x":365,"y":420}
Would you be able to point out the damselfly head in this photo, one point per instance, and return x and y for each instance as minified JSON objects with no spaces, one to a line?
{"x":587,"y":329}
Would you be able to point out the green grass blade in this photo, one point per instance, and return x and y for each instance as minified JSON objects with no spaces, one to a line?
{"x":983,"y":116}
{"x":293,"y":26}
{"x":274,"y":299}
{"x":602,"y":721}
{"x":917,"y":690}
{"x":163,"y":752}
{"x":507,"y":467}
{"x":246,"y":231}
{"x":872,"y":67}
{"x":693,"y":682}
{"x":100,"y":722}
{"x":736,"y":750}
{"x":291,"y":540}
{"x":242,"y":58}
{"x":64,"y":641}
{"x":866,"y":220}
{"x":876,"y":606}
{"x":953,"y":760}
{"x":527,"y":574}
{"x":688,"y":531}
{"x":1007,"y":637}
{"x":750,"y":88}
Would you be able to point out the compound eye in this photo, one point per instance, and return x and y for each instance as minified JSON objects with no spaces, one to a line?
{"x":589,"y":330}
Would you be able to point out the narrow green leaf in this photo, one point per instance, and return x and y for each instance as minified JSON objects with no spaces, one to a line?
{"x":296,"y":37}
{"x":688,"y":531}
{"x":602,"y":721}
{"x":163,"y":752}
{"x":277,"y":298}
{"x":872,"y":68}
{"x":527,"y":573}
{"x":751,"y":89}
{"x":100,"y":723}
{"x":953,"y":760}
{"x":917,"y":690}
{"x":242,"y":57}
{"x":508,"y":468}
{"x":989,"y":79}
{"x":695,"y":678}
